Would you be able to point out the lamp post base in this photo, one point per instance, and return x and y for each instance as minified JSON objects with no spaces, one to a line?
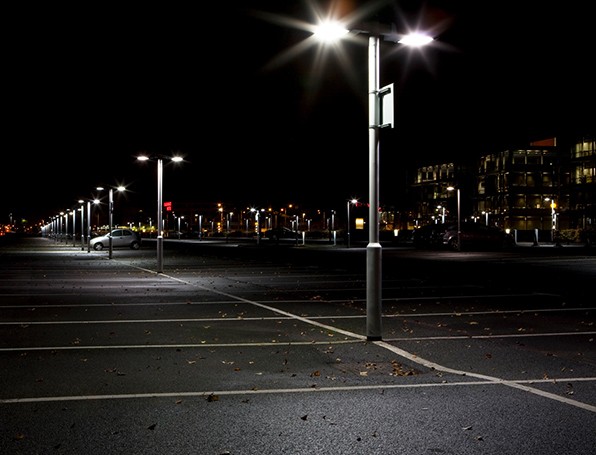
{"x":373,"y":291}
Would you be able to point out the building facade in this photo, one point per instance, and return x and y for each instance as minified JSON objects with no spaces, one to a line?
{"x":545,"y":187}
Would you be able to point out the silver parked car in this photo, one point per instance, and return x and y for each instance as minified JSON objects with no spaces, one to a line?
{"x":126,"y":238}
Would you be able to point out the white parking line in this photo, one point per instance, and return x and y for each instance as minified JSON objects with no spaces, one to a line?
{"x":207,"y":393}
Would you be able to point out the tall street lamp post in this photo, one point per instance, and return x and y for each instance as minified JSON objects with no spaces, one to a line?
{"x":110,"y":211}
{"x":66,"y":215}
{"x":74,"y":227}
{"x":179,"y":227}
{"x":111,"y":219}
{"x":257,"y":225}
{"x":331,"y":32}
{"x":110,"y":214}
{"x":159,"y":160}
{"x":88,"y":226}
{"x":450,"y":188}
{"x":351,"y":201}
{"x":553,"y":217}
{"x":82,"y":224}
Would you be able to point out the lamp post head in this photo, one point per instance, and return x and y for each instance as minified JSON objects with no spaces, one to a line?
{"x":175,"y":158}
{"x":330,"y":31}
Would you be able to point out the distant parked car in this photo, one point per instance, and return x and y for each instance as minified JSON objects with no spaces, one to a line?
{"x":280,"y":233}
{"x":121,"y":238}
{"x":429,"y":236}
{"x":473,"y":236}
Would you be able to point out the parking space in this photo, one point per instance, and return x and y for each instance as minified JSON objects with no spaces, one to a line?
{"x":267,"y":353}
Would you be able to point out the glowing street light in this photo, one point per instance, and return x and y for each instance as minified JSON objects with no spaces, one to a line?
{"x":553,"y":215}
{"x":331,"y":31}
{"x":110,"y":216}
{"x":257,"y":225}
{"x":451,"y":188}
{"x":351,"y":201}
{"x":159,"y":159}
{"x":82,"y":209}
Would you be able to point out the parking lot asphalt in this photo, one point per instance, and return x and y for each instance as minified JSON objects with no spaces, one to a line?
{"x":244,"y":349}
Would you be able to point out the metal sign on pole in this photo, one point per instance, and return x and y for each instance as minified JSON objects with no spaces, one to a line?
{"x":386,"y":107}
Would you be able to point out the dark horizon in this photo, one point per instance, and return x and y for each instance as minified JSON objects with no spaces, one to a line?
{"x":259,"y":123}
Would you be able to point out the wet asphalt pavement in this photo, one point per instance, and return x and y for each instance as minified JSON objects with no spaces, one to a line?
{"x":262,"y":349}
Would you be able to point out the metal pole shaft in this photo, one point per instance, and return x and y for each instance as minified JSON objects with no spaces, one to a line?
{"x":110,"y":213}
{"x":82,"y":227}
{"x":373,"y":249}
{"x":159,"y":216}
{"x":88,"y":226}
{"x":458,"y":221}
{"x":348,"y":226}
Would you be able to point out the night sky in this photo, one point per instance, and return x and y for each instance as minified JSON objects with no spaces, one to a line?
{"x":260,"y":117}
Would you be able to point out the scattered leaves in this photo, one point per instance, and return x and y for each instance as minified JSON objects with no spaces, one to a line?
{"x":399,"y":370}
{"x":569,"y":389}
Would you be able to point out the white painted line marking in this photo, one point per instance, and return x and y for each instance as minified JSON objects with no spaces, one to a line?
{"x":292,"y":390}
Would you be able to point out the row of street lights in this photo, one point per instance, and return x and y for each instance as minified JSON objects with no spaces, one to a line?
{"x":160,"y":231}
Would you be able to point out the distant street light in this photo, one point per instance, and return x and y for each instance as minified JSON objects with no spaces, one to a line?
{"x":82,"y":209}
{"x":74,"y":227}
{"x":66,"y":214}
{"x":442,"y":208}
{"x":257,"y":225}
{"x":111,"y":217}
{"x":351,"y":201}
{"x":451,"y":188}
{"x":332,"y":31}
{"x":88,"y":226}
{"x":553,"y":215}
{"x":159,"y":159}
{"x":179,"y":232}
{"x":110,"y":211}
